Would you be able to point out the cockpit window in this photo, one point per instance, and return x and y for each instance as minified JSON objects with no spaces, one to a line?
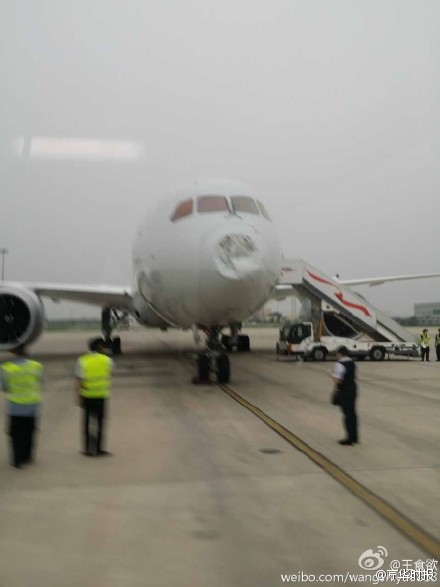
{"x":244,"y":205}
{"x":183,"y":209}
{"x":212,"y":204}
{"x":263,"y":210}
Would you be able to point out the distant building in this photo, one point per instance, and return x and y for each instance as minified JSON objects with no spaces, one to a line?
{"x":428,"y":313}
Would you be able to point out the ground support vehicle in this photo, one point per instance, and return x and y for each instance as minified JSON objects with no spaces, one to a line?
{"x":299,"y":339}
{"x":336,"y":315}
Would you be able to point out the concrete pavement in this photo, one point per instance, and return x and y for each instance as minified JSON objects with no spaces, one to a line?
{"x":190,"y":497}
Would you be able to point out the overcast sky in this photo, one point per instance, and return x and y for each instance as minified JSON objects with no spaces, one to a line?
{"x":330,"y":111}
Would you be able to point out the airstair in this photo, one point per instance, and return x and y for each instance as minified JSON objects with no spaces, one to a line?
{"x":310,"y":282}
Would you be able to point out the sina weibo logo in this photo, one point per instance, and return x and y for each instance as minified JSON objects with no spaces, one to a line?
{"x":339,"y":295}
{"x":370,"y":560}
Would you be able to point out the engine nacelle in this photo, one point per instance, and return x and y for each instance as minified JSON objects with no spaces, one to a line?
{"x":21,"y":316}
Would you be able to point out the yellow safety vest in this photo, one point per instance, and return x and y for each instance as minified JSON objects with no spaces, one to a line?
{"x":23,"y":382}
{"x":96,"y":372}
{"x":424,"y":339}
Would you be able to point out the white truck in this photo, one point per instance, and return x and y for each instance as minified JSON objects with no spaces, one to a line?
{"x":302,"y":339}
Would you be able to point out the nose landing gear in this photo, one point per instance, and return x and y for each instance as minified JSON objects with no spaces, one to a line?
{"x":213,"y":360}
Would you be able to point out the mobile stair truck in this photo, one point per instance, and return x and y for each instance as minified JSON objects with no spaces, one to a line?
{"x":336,"y":316}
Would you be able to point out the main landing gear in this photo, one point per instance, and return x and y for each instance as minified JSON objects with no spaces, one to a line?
{"x":235,"y":341}
{"x":239,"y":342}
{"x":212,"y":360}
{"x":109,"y":320}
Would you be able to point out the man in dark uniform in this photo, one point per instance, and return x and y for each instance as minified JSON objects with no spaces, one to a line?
{"x":344,"y":376}
{"x":437,"y":344}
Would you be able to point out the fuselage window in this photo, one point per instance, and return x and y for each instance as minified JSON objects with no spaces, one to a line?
{"x":244,"y":205}
{"x":263,"y":210}
{"x":183,"y":209}
{"x":212,"y":204}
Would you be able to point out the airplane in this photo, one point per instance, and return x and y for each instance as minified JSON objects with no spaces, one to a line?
{"x":206,"y":259}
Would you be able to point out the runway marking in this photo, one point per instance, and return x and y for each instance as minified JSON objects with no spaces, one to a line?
{"x":403,"y":524}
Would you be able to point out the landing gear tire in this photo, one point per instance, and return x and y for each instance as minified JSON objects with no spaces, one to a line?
{"x":377,"y":353}
{"x":116,"y":345}
{"x":113,"y":345}
{"x":223,"y":368}
{"x":226,"y":342}
{"x":202,"y":368}
{"x":243,"y":343}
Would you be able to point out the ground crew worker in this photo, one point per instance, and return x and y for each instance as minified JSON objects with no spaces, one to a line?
{"x":437,"y":344}
{"x":93,"y":378}
{"x":344,"y":376}
{"x":22,"y":378}
{"x":424,"y":342}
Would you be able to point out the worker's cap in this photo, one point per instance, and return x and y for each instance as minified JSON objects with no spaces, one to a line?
{"x":96,"y":343}
{"x":426,"y":330}
{"x":342,"y":350}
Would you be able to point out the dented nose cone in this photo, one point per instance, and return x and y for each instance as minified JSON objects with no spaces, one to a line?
{"x":241,"y":268}
{"x":236,"y":256}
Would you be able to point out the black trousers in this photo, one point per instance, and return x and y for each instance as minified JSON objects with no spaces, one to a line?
{"x":93,"y":424}
{"x":425,"y":353}
{"x":437,"y":350}
{"x":21,"y":432}
{"x":348,"y":408}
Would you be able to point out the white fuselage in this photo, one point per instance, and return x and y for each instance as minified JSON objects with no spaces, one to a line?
{"x":208,"y":268}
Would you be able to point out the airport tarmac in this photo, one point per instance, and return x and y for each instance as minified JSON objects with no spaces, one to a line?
{"x":199,"y":491}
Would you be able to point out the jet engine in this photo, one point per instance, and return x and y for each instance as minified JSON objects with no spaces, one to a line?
{"x":21,"y":316}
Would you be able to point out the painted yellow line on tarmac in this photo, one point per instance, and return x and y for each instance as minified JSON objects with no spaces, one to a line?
{"x":379,"y":505}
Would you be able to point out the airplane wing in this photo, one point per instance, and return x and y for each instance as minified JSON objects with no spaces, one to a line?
{"x":372,"y":281}
{"x":113,"y":296}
